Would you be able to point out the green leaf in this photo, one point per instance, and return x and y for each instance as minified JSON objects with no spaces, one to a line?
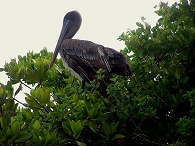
{"x":76,"y":128}
{"x":32,"y":103}
{"x":35,"y":135}
{"x":75,"y":98}
{"x":140,"y":53}
{"x":118,"y":136}
{"x":1,"y":69}
{"x":175,"y":85}
{"x":42,"y":95}
{"x":101,"y":117}
{"x":53,"y":134}
{"x":151,"y":83}
{"x":23,"y":137}
{"x":15,"y":127}
{"x":37,"y":125}
{"x":93,"y":112}
{"x":2,"y":95}
{"x":12,"y":139}
{"x":93,"y":126}
{"x":121,"y":116}
{"x":88,"y":106}
{"x":106,"y":129}
{"x":67,"y":128}
{"x":28,"y":115}
{"x":113,"y":126}
{"x":18,"y":90}
{"x":6,"y":132}
{"x":51,"y":138}
{"x":81,"y":143}
{"x":185,"y":79}
{"x":177,"y":75}
{"x":135,"y":89}
{"x":147,"y":69}
{"x":5,"y":120}
{"x":139,"y":24}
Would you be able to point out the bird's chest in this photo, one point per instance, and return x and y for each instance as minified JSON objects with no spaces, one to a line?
{"x":64,"y":61}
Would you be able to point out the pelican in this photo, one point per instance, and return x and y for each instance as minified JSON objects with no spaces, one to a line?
{"x":84,"y":58}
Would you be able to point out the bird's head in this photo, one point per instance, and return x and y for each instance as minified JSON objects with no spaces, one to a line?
{"x":71,"y":24}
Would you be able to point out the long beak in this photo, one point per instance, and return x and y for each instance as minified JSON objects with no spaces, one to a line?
{"x":63,"y":33}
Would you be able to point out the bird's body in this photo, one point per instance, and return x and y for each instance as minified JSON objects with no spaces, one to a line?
{"x":84,"y":58}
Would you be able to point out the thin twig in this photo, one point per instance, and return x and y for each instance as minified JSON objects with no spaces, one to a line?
{"x":160,"y":99}
{"x":123,"y":114}
{"x":20,"y":102}
{"x":41,"y":106}
{"x":25,"y":85}
{"x":146,"y":138}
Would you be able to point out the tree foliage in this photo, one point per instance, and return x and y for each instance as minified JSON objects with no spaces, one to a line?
{"x":156,"y":106}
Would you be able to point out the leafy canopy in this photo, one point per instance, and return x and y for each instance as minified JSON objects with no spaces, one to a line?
{"x":153,"y":107}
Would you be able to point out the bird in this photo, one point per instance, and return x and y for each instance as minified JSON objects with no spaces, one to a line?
{"x":84,"y":58}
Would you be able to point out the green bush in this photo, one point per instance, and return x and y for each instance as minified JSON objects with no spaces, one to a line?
{"x":156,"y":106}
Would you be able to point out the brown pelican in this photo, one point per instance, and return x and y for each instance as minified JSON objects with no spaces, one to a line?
{"x":83,"y":57}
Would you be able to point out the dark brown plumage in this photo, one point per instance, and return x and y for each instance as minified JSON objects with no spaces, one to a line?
{"x":83,"y":57}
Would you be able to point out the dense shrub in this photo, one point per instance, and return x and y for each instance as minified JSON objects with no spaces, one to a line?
{"x":156,"y":106}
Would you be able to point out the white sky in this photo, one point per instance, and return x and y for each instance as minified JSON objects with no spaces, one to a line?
{"x":32,"y":25}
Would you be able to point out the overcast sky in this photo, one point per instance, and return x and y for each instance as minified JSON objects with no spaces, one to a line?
{"x":32,"y":25}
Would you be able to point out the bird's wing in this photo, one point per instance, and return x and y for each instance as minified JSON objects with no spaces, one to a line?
{"x":115,"y":58}
{"x":118,"y":62}
{"x":85,"y":57}
{"x":88,"y":53}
